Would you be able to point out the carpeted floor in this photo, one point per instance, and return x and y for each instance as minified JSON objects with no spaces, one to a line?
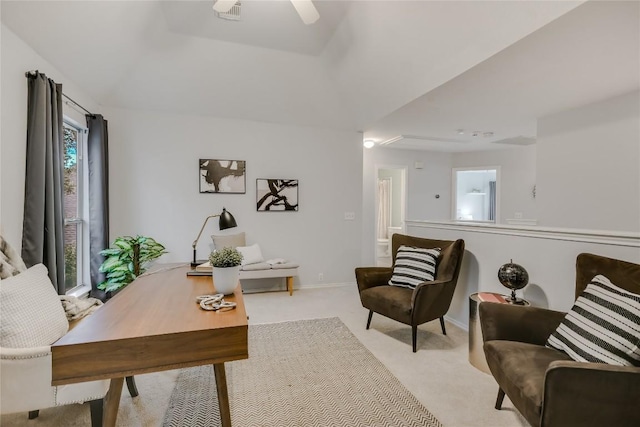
{"x":301,"y":373}
{"x":438,"y":375}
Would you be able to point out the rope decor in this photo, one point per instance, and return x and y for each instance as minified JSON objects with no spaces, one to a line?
{"x":215,"y":303}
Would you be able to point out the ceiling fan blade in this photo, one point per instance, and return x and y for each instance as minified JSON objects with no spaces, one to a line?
{"x":306,"y":10}
{"x":224,"y":6}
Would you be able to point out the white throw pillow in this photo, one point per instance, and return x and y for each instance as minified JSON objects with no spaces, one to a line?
{"x":250,"y":254}
{"x":32,"y":314}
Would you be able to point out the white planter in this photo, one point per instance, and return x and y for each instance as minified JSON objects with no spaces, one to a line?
{"x":225,"y":279}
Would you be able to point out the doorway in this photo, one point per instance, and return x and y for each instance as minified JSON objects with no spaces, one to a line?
{"x":390,"y":209}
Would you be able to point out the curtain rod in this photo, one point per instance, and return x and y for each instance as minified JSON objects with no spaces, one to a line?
{"x":35,"y":73}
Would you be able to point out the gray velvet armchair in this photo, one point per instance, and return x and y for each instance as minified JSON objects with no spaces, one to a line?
{"x":428,"y":301}
{"x":546,"y":385}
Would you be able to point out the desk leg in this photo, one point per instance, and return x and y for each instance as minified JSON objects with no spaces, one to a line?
{"x":112,"y":402}
{"x":223,"y":395}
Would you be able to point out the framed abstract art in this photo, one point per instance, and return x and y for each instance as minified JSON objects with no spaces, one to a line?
{"x":276,"y":195}
{"x":222,"y":176}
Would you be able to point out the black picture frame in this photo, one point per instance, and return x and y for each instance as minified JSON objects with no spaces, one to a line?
{"x":222,"y":176}
{"x":277,"y":195}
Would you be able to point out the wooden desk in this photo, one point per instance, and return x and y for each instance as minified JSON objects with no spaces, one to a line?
{"x":154,"y":324}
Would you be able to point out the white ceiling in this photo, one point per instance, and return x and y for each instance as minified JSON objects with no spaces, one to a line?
{"x":587,"y":55}
{"x":388,"y":68}
{"x":261,"y":24}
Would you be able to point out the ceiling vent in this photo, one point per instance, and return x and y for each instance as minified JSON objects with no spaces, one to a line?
{"x":517,"y":140}
{"x":233,"y":14}
{"x":401,"y":138}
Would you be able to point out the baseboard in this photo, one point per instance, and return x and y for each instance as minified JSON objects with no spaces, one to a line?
{"x":457,"y":323}
{"x":326,"y":285}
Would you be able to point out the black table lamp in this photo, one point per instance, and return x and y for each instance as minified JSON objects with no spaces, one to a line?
{"x":226,"y":221}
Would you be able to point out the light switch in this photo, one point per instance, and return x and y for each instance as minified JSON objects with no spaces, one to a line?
{"x":349,"y":216}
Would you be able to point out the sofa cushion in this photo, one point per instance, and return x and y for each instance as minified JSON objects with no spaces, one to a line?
{"x":228,"y":240}
{"x":603,"y":326}
{"x":414,"y":266}
{"x":32,"y":314}
{"x":519,"y":368}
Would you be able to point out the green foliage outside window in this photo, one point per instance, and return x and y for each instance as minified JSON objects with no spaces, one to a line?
{"x":70,"y":159}
{"x":70,"y":266}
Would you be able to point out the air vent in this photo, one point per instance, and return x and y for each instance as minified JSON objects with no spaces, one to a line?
{"x":233,"y":14}
{"x":517,"y":140}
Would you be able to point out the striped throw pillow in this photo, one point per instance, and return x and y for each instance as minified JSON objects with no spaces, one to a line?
{"x":414,"y":266}
{"x":603,"y":326}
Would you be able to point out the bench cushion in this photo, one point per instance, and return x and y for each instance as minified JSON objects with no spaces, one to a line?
{"x":256,"y":266}
{"x":284,"y":266}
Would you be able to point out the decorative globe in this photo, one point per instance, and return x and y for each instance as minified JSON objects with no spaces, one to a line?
{"x":514,"y":277}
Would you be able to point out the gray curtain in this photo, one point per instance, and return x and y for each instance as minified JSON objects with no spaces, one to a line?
{"x":43,"y":226}
{"x":98,"y":158}
{"x":492,"y":200}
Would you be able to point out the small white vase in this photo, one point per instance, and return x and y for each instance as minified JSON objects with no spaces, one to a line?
{"x":225,"y":279}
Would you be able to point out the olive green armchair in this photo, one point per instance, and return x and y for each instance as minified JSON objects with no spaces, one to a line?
{"x":548,"y":387}
{"x":428,"y":301}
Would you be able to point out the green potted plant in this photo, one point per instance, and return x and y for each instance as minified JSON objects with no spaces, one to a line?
{"x":225,"y":266}
{"x":128,"y":258}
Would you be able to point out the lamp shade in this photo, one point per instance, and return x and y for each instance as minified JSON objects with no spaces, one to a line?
{"x":227,"y":220}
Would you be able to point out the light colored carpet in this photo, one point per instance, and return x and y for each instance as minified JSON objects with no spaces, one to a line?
{"x":438,"y":375}
{"x":302,"y":373}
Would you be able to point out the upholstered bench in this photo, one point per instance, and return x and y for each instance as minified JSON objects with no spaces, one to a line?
{"x":254,"y":266}
{"x":263,"y":270}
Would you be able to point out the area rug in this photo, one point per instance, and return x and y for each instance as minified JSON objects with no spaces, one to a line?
{"x":303,"y":373}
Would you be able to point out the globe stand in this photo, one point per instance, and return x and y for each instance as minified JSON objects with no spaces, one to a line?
{"x":513,"y":299}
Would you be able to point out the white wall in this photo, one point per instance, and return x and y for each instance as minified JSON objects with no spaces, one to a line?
{"x":422,"y":187}
{"x":154,"y":176}
{"x":18,"y":58}
{"x":517,"y":177}
{"x":589,"y":166}
{"x":548,"y":258}
{"x":154,"y":187}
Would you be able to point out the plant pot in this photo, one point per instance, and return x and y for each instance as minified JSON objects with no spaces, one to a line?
{"x":225,"y":279}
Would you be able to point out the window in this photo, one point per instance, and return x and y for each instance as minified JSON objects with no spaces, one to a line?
{"x":74,"y":196}
{"x":476,"y":194}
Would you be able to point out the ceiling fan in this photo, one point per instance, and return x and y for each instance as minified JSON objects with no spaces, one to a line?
{"x":305,"y":8}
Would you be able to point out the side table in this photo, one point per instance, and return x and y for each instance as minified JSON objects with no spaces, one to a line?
{"x":476,"y":352}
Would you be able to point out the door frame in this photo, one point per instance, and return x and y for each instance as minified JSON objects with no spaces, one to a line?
{"x":403,"y":199}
